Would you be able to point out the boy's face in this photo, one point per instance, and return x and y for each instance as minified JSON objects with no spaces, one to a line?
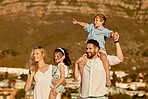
{"x":98,"y":22}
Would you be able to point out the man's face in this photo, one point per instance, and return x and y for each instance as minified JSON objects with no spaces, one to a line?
{"x":91,"y":50}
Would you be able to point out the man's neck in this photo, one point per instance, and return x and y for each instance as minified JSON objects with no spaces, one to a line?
{"x":94,"y":57}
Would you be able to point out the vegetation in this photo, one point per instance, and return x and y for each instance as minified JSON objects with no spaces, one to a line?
{"x":114,"y":79}
{"x":24,"y":77}
{"x":145,"y":53}
{"x":9,"y":52}
{"x":20,"y":94}
{"x":1,"y":77}
{"x":120,"y":96}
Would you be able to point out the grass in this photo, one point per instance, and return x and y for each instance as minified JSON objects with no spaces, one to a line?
{"x":128,"y":11}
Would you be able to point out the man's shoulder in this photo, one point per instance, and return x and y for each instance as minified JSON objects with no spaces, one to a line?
{"x":113,"y":59}
{"x":111,"y":56}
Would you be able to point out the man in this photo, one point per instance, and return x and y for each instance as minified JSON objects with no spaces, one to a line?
{"x":93,"y":76}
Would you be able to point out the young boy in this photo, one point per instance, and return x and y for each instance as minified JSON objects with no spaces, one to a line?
{"x":98,"y":32}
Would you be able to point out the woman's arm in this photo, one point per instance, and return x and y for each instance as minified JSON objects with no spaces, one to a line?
{"x":29,"y":80}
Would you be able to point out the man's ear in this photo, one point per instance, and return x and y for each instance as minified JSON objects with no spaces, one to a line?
{"x":97,"y":49}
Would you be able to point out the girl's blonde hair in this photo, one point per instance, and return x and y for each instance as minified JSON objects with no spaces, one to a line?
{"x":32,"y":64}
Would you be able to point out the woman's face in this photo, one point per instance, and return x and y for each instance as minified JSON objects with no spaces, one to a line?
{"x":58,"y":57}
{"x":37,"y":55}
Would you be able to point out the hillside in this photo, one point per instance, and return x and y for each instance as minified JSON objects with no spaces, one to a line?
{"x":19,"y":32}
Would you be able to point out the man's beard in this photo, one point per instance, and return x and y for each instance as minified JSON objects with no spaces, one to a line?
{"x":90,"y":56}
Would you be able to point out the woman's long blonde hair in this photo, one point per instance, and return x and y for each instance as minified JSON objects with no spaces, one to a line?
{"x":32,"y":64}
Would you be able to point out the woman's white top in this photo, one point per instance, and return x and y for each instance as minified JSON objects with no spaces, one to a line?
{"x":42,"y":84}
{"x":66,"y":69}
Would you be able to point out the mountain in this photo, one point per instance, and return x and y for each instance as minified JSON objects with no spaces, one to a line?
{"x":48,"y":23}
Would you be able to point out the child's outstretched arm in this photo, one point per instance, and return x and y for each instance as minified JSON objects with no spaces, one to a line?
{"x":79,"y":23}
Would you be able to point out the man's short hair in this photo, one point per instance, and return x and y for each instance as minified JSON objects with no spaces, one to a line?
{"x":94,"y":42}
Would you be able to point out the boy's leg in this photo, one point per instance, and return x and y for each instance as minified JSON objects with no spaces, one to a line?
{"x":103,"y":57}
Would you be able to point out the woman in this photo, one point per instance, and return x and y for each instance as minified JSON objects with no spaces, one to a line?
{"x":41,"y":72}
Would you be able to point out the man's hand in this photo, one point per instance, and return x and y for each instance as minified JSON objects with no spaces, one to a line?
{"x":115,"y":36}
{"x":74,"y":21}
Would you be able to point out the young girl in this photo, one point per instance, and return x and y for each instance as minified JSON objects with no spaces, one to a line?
{"x":60,"y":71}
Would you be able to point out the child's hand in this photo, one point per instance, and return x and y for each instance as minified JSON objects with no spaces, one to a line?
{"x":82,"y":61}
{"x":115,"y":36}
{"x":55,"y":82}
{"x":74,"y":21}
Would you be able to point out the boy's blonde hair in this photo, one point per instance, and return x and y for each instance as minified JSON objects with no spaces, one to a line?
{"x":101,"y":17}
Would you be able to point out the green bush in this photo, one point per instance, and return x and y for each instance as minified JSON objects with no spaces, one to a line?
{"x":120,"y":96}
{"x":145,"y":53}
{"x":10,"y":52}
{"x":20,"y":94}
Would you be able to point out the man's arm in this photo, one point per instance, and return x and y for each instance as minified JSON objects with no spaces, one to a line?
{"x":113,"y":60}
{"x":118,"y":48}
{"x":76,"y":71}
{"x":79,"y":23}
{"x":79,"y":65}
